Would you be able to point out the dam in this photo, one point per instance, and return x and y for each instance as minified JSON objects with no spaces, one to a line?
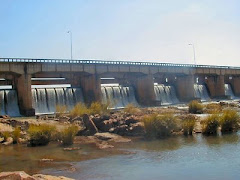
{"x":118,"y":83}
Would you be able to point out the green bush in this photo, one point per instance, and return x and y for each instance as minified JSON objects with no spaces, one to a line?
{"x":195,"y":107}
{"x":188,"y":123}
{"x":67,"y":135}
{"x":16,"y":134}
{"x":229,"y":120}
{"x":210,"y":124}
{"x":40,"y":134}
{"x":159,"y":125}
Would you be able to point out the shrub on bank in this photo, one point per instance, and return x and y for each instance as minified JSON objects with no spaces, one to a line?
{"x":195,"y":107}
{"x":213,"y":108}
{"x":78,"y":110}
{"x":229,"y":120}
{"x":159,"y":125}
{"x":131,"y":109}
{"x":188,"y":123}
{"x":61,"y":110}
{"x":5,"y":135}
{"x":67,"y":135}
{"x":210,"y":124}
{"x":40,"y":134}
{"x":16,"y":134}
{"x":98,"y":108}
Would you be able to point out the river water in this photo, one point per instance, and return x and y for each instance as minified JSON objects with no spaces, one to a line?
{"x":179,"y":157}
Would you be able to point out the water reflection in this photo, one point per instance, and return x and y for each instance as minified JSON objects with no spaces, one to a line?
{"x":221,"y":140}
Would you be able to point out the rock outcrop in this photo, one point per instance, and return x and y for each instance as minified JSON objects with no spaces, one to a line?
{"x":21,"y":175}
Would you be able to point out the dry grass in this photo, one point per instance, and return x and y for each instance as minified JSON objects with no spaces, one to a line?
{"x":131,"y":109}
{"x":67,"y":135}
{"x":40,"y":134}
{"x":210,"y":124}
{"x":188,"y":122}
{"x":195,"y":107}
{"x":159,"y":126}
{"x":16,"y":134}
{"x":229,"y":120}
{"x":213,"y":108}
{"x":60,"y":110}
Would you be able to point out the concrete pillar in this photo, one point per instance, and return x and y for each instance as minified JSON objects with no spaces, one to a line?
{"x":144,"y":88}
{"x":185,"y":88}
{"x":91,"y":86}
{"x":216,"y":86}
{"x":23,"y":87}
{"x":235,"y":83}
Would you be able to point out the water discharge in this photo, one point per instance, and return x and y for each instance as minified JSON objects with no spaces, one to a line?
{"x":9,"y":102}
{"x":201,"y":92}
{"x":166,"y":94}
{"x":229,"y":91}
{"x":45,"y":100}
{"x":118,"y":96}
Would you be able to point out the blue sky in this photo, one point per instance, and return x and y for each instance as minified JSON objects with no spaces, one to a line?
{"x":137,"y":30}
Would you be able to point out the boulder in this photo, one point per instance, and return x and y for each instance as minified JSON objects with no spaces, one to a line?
{"x":136,"y":129}
{"x":16,"y":175}
{"x":104,"y":145}
{"x":96,"y":119}
{"x":64,"y":119}
{"x":48,"y":177}
{"x":8,"y":141}
{"x":90,"y":128}
{"x":111,"y":137}
{"x":1,"y":139}
{"x":105,"y":117}
{"x":106,"y":125}
{"x":131,"y":120}
{"x":21,"y":175}
{"x":121,"y":130}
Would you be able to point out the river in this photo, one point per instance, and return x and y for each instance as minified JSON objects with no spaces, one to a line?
{"x":179,"y":157}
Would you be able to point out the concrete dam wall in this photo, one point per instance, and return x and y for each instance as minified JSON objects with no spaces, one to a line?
{"x":140,"y":83}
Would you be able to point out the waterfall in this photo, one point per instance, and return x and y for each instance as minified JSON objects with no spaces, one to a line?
{"x":200,"y":91}
{"x":45,"y":100}
{"x":9,"y":103}
{"x":118,"y":96}
{"x":229,"y":91}
{"x":166,"y":94}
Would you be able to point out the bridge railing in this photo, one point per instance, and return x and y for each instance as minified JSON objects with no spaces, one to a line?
{"x":27,"y":60}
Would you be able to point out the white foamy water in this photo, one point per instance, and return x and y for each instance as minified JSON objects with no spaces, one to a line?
{"x":200,"y":91}
{"x":118,"y":96}
{"x":166,"y":94}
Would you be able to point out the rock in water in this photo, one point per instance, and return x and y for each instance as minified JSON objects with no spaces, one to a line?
{"x":111,"y":137}
{"x":8,"y":141}
{"x":21,"y":175}
{"x":16,"y":175}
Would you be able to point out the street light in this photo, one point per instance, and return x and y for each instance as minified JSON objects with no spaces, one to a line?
{"x":194,"y":56}
{"x":70,"y":32}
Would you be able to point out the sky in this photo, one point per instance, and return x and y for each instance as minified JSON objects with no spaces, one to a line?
{"x":131,"y":30}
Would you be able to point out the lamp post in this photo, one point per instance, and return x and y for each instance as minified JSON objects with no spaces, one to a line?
{"x":70,"y":32}
{"x":194,"y":55}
